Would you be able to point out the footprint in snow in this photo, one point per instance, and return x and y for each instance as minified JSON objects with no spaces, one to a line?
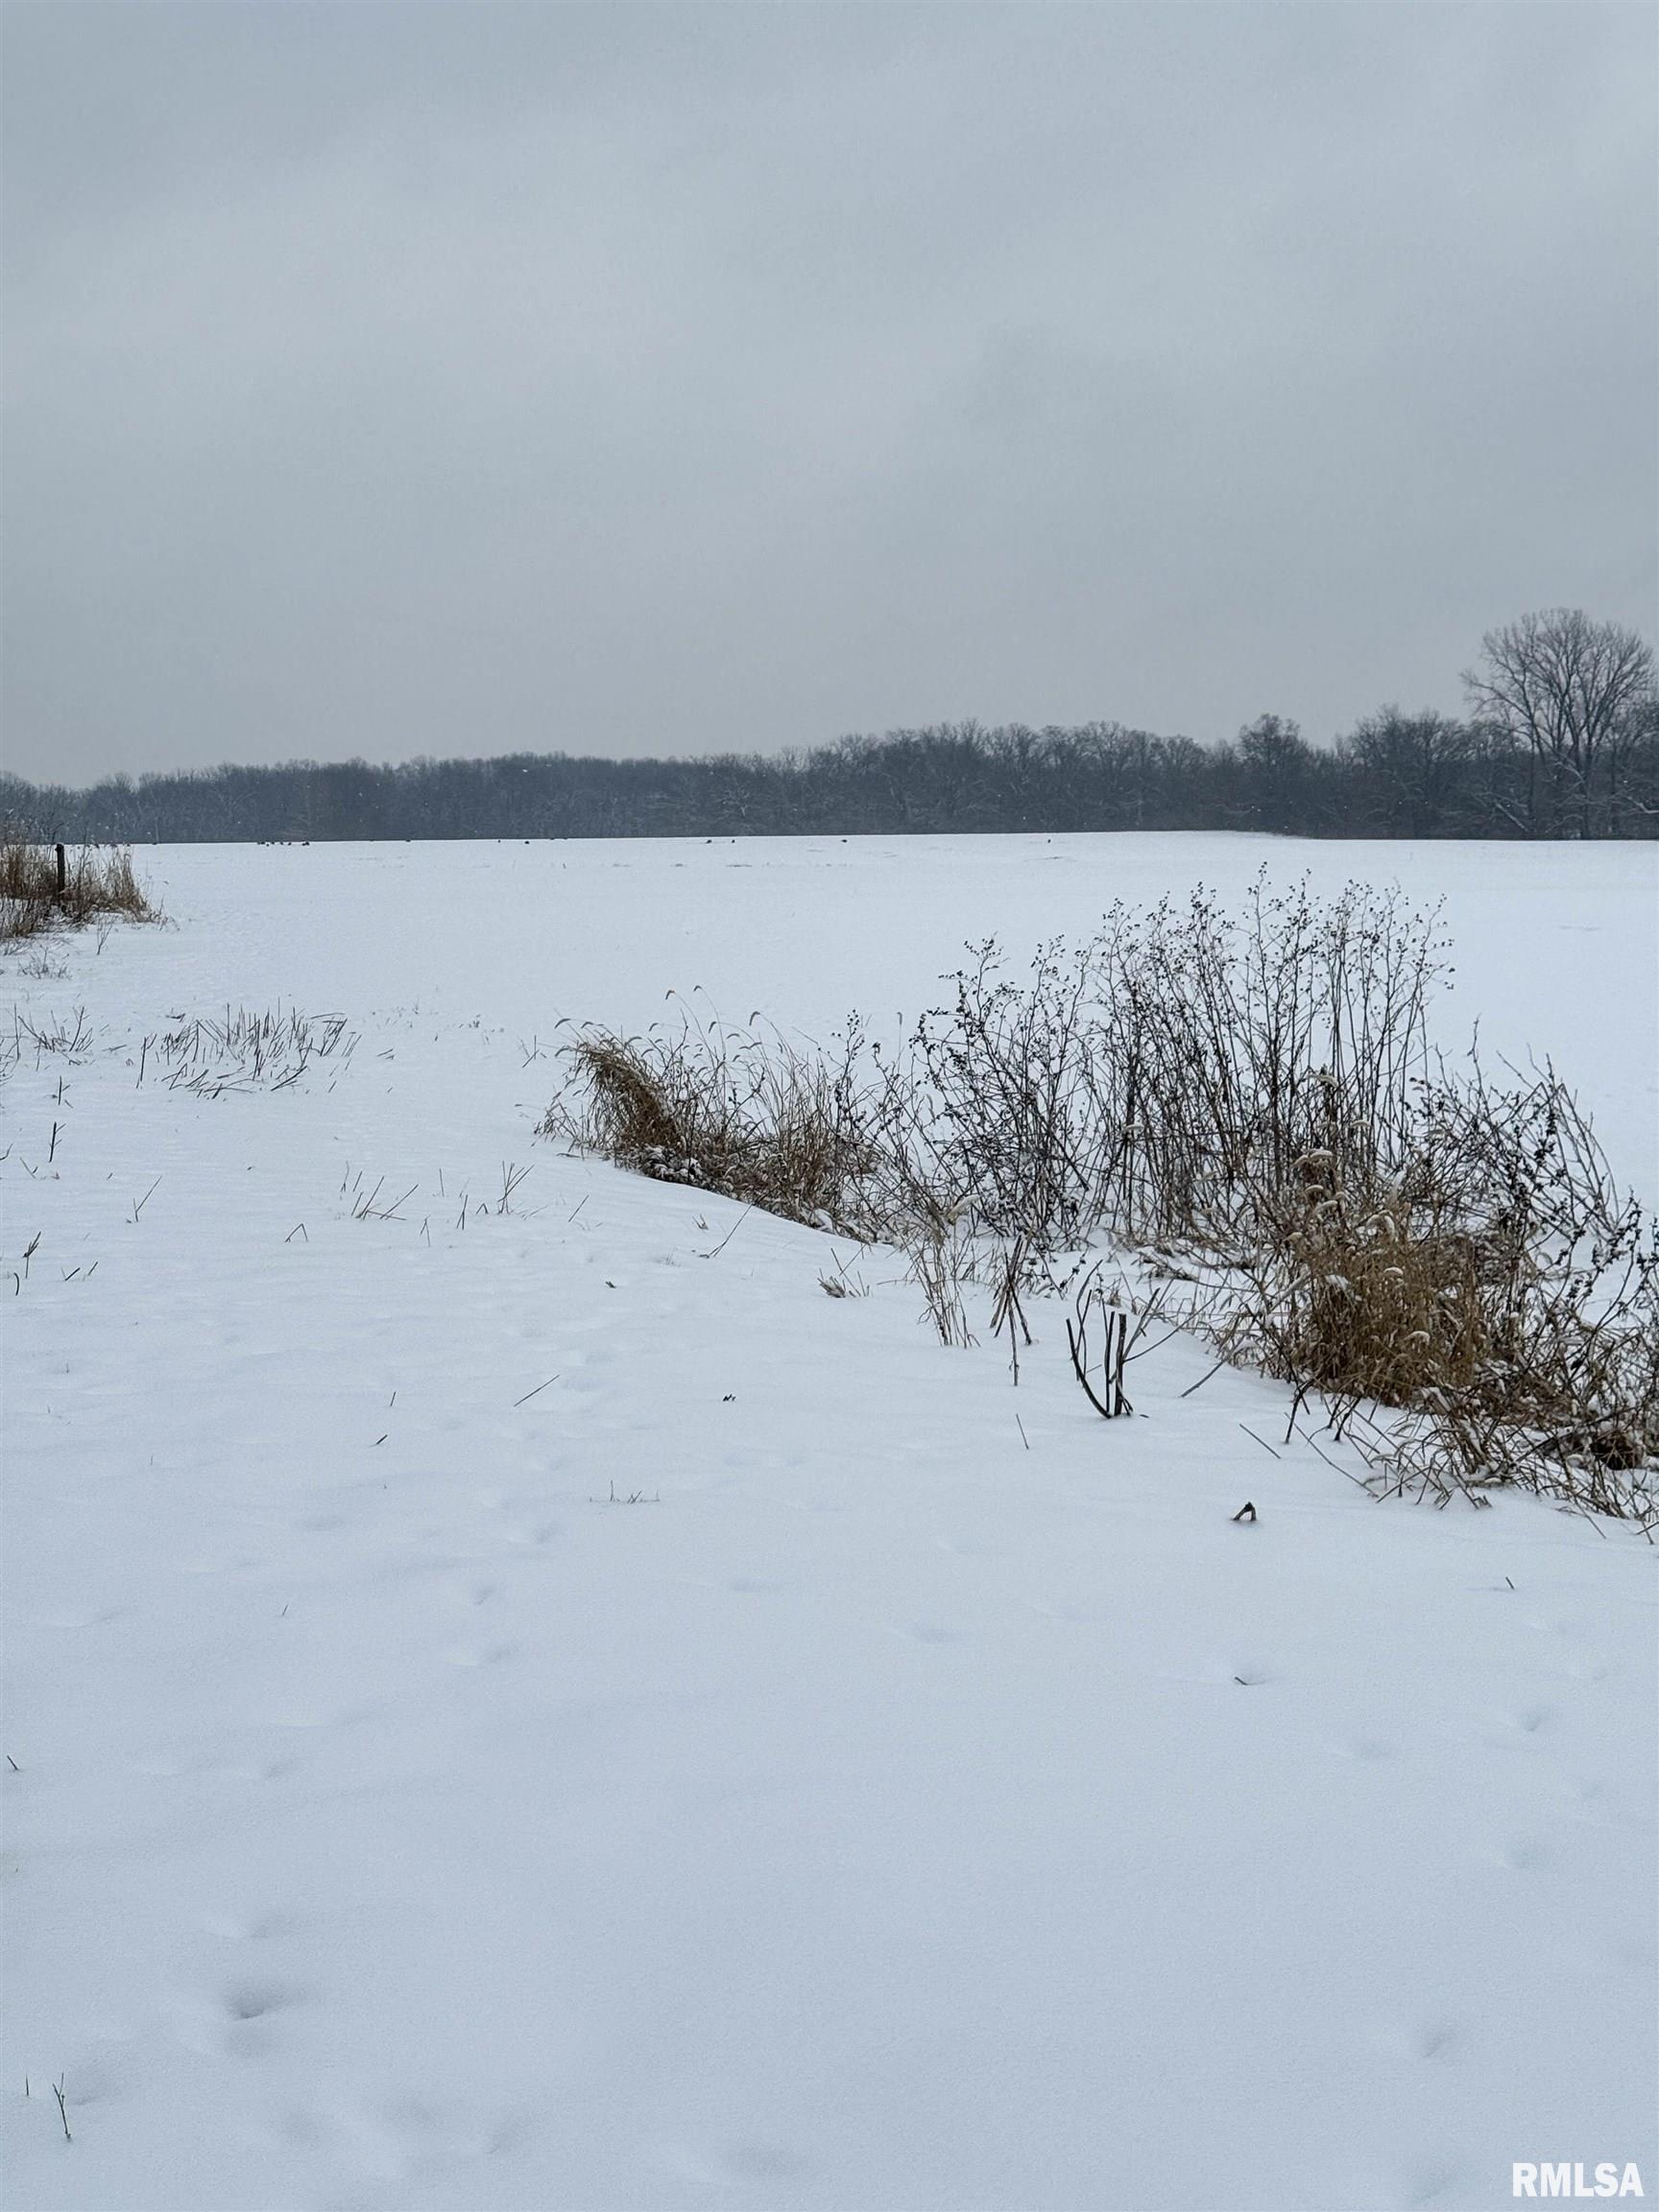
{"x":540,"y":1534}
{"x":760,"y":2161}
{"x":1438,"y":2040}
{"x":738,"y":2162}
{"x":1436,"y":2181}
{"x":1520,"y":1855}
{"x":256,"y":1768}
{"x":314,"y":1717}
{"x":465,"y":1595}
{"x":92,"y":2080}
{"x":255,"y":1999}
{"x":1510,"y":1731}
{"x":481,"y":1654}
{"x":393,"y":2140}
{"x":256,"y":1928}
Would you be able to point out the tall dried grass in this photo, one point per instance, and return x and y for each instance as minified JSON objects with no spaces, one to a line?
{"x":755,"y":1119}
{"x":98,"y":881}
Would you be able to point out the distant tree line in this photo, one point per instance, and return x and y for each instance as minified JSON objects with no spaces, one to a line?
{"x":1561,"y":739}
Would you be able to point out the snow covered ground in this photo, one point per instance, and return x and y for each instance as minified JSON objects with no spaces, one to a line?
{"x":542,"y":1708}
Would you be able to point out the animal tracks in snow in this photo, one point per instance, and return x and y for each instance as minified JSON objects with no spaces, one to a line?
{"x":257,"y":1997}
{"x":490,"y":1653}
{"x":1368,"y":1751}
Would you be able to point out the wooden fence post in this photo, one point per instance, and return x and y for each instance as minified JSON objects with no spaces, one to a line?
{"x":62,"y":876}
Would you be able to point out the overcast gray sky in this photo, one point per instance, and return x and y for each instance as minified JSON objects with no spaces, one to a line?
{"x":389,"y":379}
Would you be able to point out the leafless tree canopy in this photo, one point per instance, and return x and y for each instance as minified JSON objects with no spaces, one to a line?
{"x":1578,"y":694}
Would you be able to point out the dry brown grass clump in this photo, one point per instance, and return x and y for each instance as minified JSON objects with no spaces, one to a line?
{"x":1489,"y":1318}
{"x":755,"y":1120}
{"x":1373,"y":1302}
{"x":97,"y":882}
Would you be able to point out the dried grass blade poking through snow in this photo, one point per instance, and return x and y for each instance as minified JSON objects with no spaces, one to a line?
{"x":244,"y":1051}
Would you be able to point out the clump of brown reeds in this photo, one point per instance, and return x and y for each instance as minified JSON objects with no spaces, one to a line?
{"x":96,"y":880}
{"x":755,"y":1119}
{"x":1545,"y":1373}
{"x":1377,"y":1301}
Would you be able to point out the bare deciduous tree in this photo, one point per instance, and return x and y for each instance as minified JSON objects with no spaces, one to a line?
{"x":1566,"y":687}
{"x":1416,"y":761}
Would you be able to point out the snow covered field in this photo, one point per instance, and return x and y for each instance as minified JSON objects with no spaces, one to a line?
{"x":542,"y":1708}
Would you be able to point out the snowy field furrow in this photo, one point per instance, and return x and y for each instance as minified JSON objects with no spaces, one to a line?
{"x":528,"y":1707}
